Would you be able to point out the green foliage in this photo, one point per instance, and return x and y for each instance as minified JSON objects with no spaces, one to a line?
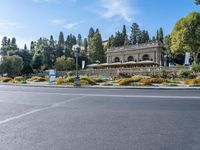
{"x":63,"y":64}
{"x":184,"y":74}
{"x":12,"y":65}
{"x":196,"y":67}
{"x":70,"y":79}
{"x":37,"y":60}
{"x":197,"y":2}
{"x":70,"y":74}
{"x":163,"y":73}
{"x":186,"y":35}
{"x":96,"y":52}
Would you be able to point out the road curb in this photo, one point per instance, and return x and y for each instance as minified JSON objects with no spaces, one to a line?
{"x":105,"y":87}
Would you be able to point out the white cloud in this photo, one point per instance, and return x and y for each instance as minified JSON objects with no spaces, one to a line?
{"x":8,"y":26}
{"x":57,"y":21}
{"x":72,"y":25}
{"x":119,"y":8}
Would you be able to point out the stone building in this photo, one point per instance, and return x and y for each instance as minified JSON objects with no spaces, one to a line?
{"x":136,"y":53}
{"x":148,"y":54}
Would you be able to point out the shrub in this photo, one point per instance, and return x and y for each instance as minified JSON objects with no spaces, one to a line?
{"x":69,"y":80}
{"x":84,"y":82}
{"x":184,"y":74}
{"x":145,"y":82}
{"x":6,"y":79}
{"x":70,"y":74}
{"x":196,"y":67}
{"x":19,"y":79}
{"x":163,"y":73}
{"x":90,"y":81}
{"x":106,"y":84}
{"x":138,"y":78}
{"x":36,"y":79}
{"x":98,"y":79}
{"x":46,"y":78}
{"x":158,"y":80}
{"x":125,"y":81}
{"x":59,"y":80}
{"x":192,"y":82}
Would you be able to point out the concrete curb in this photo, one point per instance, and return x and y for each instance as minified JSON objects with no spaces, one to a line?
{"x":105,"y":87}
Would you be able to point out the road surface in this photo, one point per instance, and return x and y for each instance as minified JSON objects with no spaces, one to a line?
{"x":35,"y":118}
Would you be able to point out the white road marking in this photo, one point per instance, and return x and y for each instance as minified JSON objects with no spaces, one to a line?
{"x":108,"y":95}
{"x":39,"y":110}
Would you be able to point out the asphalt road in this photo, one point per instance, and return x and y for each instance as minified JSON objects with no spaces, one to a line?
{"x":98,"y":119}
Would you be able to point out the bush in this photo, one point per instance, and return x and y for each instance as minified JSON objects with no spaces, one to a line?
{"x":145,"y":82}
{"x":69,"y":80}
{"x":37,"y":79}
{"x":138,"y":78}
{"x":70,"y":74}
{"x":125,"y":81}
{"x":184,"y":74}
{"x":90,"y":81}
{"x":163,"y":73}
{"x":46,"y":78}
{"x":192,"y":82}
{"x":196,"y":67}
{"x":98,"y":79}
{"x":19,"y":79}
{"x":59,"y":80}
{"x":5,"y":80}
{"x":158,"y":80}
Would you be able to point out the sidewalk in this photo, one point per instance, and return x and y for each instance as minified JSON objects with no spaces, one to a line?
{"x":48,"y":85}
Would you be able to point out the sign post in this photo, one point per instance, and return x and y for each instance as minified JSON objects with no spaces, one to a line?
{"x":52,"y":75}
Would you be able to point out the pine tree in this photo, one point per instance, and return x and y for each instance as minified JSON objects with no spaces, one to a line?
{"x":91,"y":33}
{"x":96,"y":52}
{"x":85,"y":44}
{"x":60,"y":46}
{"x":52,"y":42}
{"x":9,"y":41}
{"x":25,"y":47}
{"x":13,"y":41}
{"x":135,"y":34}
{"x":79,"y":40}
{"x":161,"y":36}
{"x":4,"y":41}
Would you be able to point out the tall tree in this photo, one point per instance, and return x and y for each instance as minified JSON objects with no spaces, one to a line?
{"x":60,"y":46}
{"x":96,"y":49}
{"x":13,"y":42}
{"x":4,"y":41}
{"x":91,"y":33}
{"x":161,"y":35}
{"x":85,"y":44}
{"x":186,"y":35}
{"x":197,"y":2}
{"x":25,"y":47}
{"x":79,"y":40}
{"x":135,"y":34}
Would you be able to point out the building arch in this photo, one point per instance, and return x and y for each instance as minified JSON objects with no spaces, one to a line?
{"x":117,"y":59}
{"x":130,"y":58}
{"x":145,"y":57}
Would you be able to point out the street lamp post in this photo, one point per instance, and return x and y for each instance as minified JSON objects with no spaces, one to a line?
{"x":75,"y":49}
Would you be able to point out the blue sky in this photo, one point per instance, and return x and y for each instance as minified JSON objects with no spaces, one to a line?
{"x":30,"y":19}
